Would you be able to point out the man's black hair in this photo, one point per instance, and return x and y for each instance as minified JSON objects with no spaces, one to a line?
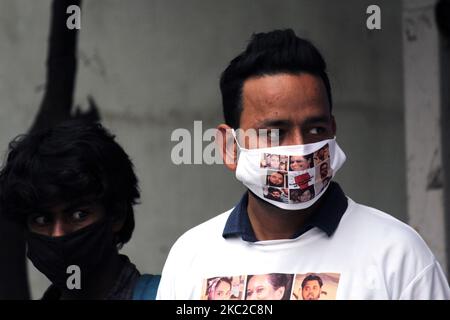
{"x":275,"y":52}
{"x":312,"y":277}
{"x":67,"y":163}
{"x":272,"y":190}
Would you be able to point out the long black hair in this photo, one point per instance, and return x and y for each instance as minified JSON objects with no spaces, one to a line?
{"x":69,"y":162}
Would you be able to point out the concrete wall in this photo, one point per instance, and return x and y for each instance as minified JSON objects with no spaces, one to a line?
{"x":153,"y":66}
{"x":423,"y":107}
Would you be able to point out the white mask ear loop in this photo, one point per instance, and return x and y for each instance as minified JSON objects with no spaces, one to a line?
{"x":233,"y":132}
{"x":254,"y":138}
{"x":228,"y":145}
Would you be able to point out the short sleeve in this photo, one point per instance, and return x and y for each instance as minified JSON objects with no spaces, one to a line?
{"x":430,"y":284}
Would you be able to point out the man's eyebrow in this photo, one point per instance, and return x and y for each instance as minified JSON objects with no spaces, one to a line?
{"x":278,"y":123}
{"x":317,"y":119}
{"x":39,"y":212}
{"x":273,"y":123}
{"x":78,"y":204}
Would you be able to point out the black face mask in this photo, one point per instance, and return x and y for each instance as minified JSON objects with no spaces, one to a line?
{"x":86,"y":248}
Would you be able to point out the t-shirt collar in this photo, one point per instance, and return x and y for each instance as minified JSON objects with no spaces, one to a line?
{"x":326,"y":217}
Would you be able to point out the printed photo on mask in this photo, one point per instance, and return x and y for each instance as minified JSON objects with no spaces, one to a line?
{"x":300,"y":163}
{"x":302,"y":179}
{"x":323,"y":154}
{"x":323,"y":171}
{"x":276,"y":179}
{"x":309,"y":168}
{"x":308,"y":175}
{"x":276,"y":194}
{"x":274,"y":161}
{"x":299,"y":195}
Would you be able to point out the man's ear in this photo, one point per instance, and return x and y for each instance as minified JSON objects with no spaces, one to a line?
{"x":119,"y":221}
{"x":227,"y":146}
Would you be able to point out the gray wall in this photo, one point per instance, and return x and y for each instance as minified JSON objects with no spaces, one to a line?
{"x":153,"y":66}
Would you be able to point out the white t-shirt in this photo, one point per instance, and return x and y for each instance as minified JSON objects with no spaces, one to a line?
{"x":371,"y":255}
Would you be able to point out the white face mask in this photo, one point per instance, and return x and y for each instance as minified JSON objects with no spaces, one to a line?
{"x":290,"y":177}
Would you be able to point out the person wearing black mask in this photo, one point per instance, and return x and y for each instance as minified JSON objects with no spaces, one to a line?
{"x":73,"y":188}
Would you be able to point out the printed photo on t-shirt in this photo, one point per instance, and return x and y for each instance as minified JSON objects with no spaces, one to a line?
{"x":315,"y":286}
{"x":223,"y":288}
{"x":272,"y":286}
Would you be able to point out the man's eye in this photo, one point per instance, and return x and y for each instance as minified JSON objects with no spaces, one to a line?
{"x":40,"y":220}
{"x":79,"y":215}
{"x":274,"y":135}
{"x":317,"y":130}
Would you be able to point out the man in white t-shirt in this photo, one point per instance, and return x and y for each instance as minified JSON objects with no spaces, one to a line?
{"x":279,"y":84}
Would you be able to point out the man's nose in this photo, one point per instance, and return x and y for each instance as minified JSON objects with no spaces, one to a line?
{"x":294,"y":137}
{"x":58,"y":229}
